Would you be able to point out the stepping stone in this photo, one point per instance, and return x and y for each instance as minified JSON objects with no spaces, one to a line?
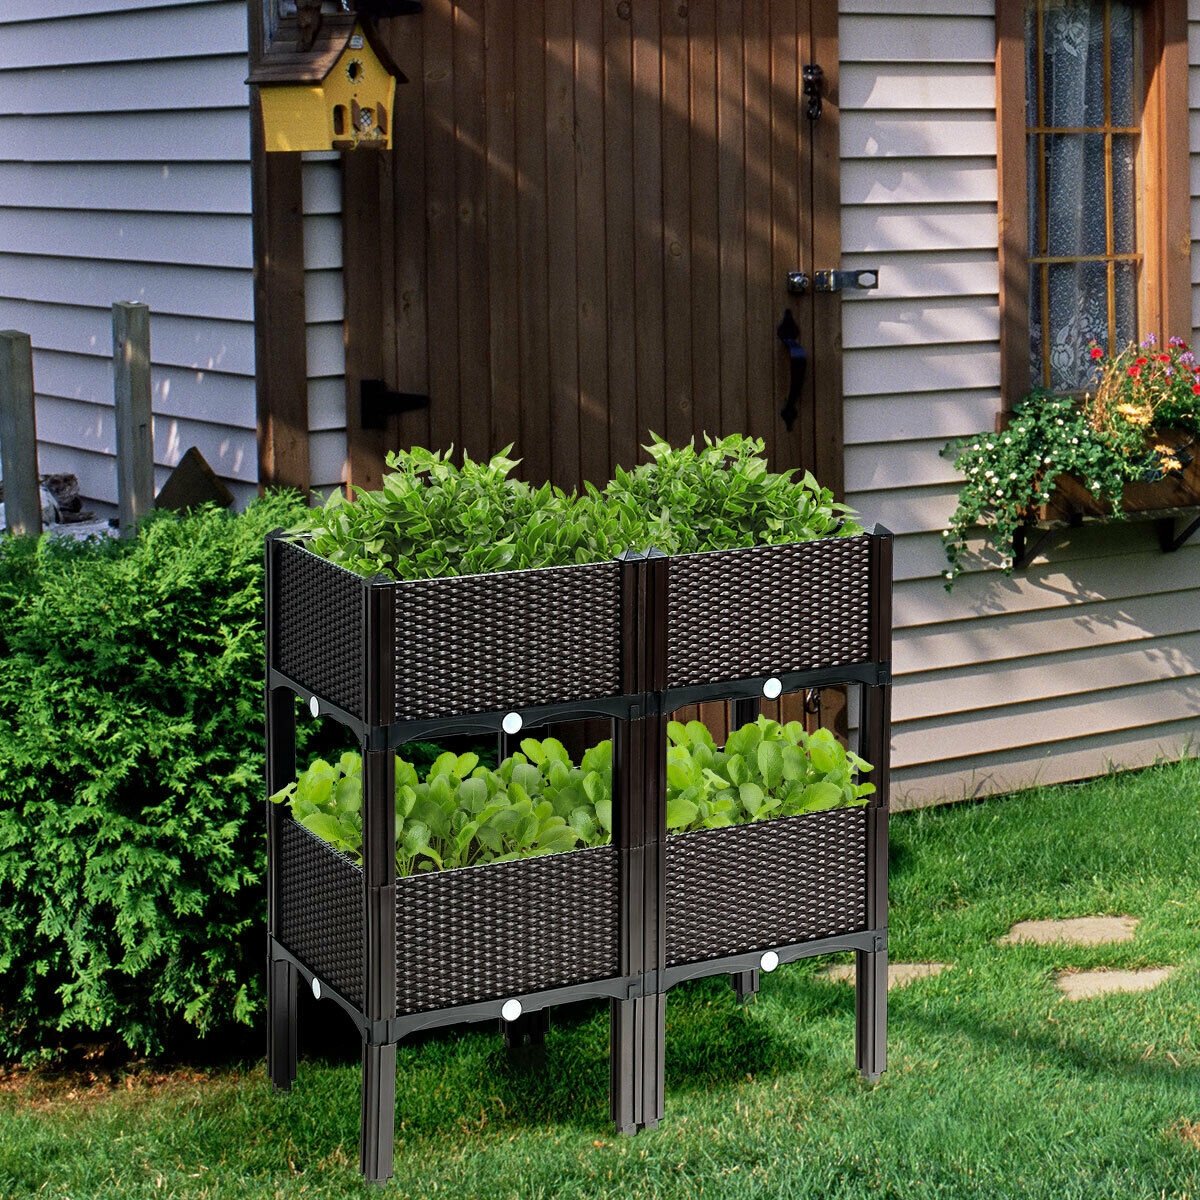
{"x":899,"y":974}
{"x":1085,"y":985}
{"x":1079,"y":931}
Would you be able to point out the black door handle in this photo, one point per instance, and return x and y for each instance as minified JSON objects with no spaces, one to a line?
{"x":789,"y":334}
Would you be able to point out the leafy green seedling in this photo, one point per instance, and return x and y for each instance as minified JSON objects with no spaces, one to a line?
{"x":537,"y":801}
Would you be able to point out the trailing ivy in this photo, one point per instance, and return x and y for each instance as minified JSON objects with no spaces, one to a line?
{"x":540,"y":802}
{"x":1136,"y":425}
{"x":435,"y":517}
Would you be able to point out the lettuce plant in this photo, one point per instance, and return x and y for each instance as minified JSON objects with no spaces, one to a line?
{"x":538,"y":801}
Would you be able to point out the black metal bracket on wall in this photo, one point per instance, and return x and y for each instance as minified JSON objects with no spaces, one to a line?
{"x":377,"y":402}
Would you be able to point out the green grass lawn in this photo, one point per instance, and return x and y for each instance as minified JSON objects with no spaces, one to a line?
{"x":996,"y":1087}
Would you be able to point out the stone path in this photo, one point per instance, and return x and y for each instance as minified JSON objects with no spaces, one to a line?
{"x":1074,"y":984}
{"x":1079,"y":931}
{"x":899,"y":974}
{"x":1089,"y":931}
{"x":1086,"y":985}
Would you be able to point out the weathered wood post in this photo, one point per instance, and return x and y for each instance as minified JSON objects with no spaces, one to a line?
{"x":18,"y":435}
{"x":135,"y":436}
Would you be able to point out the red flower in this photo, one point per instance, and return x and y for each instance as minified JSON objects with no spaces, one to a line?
{"x":1097,"y":352}
{"x":1135,"y":371}
{"x":1196,"y":389}
{"x":1141,"y":362}
{"x":1164,"y":358}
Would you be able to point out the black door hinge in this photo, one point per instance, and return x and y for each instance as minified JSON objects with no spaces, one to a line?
{"x":377,"y":402}
{"x":388,"y":8}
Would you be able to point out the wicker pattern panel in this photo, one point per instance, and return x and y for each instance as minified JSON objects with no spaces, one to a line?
{"x":752,"y":887}
{"x":481,"y":933}
{"x":768,"y":611}
{"x":321,"y":909}
{"x":485,"y":642}
{"x":319,"y":626}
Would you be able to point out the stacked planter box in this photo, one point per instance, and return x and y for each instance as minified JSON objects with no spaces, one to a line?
{"x":632,"y":641}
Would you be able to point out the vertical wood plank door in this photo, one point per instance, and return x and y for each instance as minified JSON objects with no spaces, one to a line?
{"x":592,"y":212}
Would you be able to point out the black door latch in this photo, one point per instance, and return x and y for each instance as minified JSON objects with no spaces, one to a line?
{"x":813,"y":78}
{"x":840,"y":281}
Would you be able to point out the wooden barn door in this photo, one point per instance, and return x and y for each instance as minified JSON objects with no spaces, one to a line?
{"x":585,"y":230}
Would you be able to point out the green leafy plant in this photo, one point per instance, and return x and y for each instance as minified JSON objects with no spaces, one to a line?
{"x":718,"y":496}
{"x":538,"y":801}
{"x":1115,"y":435}
{"x":434,"y":517}
{"x":764,"y":770}
{"x":131,"y":758}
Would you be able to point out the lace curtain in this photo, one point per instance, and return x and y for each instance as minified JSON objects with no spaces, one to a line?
{"x":1069,"y":192}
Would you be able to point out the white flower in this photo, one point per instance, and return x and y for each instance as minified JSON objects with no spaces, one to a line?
{"x":1058,"y":421}
{"x":1013,"y":475}
{"x":948,"y":574}
{"x":991,"y":446}
{"x":1008,"y":441}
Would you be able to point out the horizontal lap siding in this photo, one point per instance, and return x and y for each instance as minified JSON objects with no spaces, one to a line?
{"x":1089,"y":658}
{"x":325,"y":302}
{"x":125,"y":175}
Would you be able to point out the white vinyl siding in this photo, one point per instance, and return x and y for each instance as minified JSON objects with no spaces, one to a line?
{"x":125,"y":175}
{"x":324,"y":300}
{"x":1090,"y":657}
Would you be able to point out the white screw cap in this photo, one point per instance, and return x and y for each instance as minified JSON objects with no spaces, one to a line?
{"x":769,"y":961}
{"x":511,"y":1010}
{"x":314,"y":707}
{"x":512,"y":723}
{"x":316,"y":988}
{"x":773,"y":688}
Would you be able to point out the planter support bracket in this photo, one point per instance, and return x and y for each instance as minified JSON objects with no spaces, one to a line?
{"x":1171,"y":537}
{"x":1026,"y":550}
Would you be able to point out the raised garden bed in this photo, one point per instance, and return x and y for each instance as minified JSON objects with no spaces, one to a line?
{"x":632,"y":641}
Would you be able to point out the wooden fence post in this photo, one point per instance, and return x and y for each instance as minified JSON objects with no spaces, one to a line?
{"x":18,"y":435}
{"x":135,"y":436}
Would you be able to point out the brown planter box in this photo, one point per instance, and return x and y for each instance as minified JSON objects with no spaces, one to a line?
{"x":1071,"y":502}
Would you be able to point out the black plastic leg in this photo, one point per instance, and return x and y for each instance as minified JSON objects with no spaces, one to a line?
{"x":378,"y":1122}
{"x":870,"y":1005}
{"x":638,"y":1038}
{"x":527,"y":1032}
{"x":745,"y":984}
{"x":282,"y":982}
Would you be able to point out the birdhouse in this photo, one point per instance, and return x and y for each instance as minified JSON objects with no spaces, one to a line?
{"x":338,"y":93}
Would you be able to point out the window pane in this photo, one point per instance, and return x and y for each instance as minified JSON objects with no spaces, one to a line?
{"x":1078,"y":315}
{"x":1124,"y":200}
{"x":1075,"y":186}
{"x":1123,"y":44}
{"x":1074,"y":63}
{"x":1126,"y":281}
